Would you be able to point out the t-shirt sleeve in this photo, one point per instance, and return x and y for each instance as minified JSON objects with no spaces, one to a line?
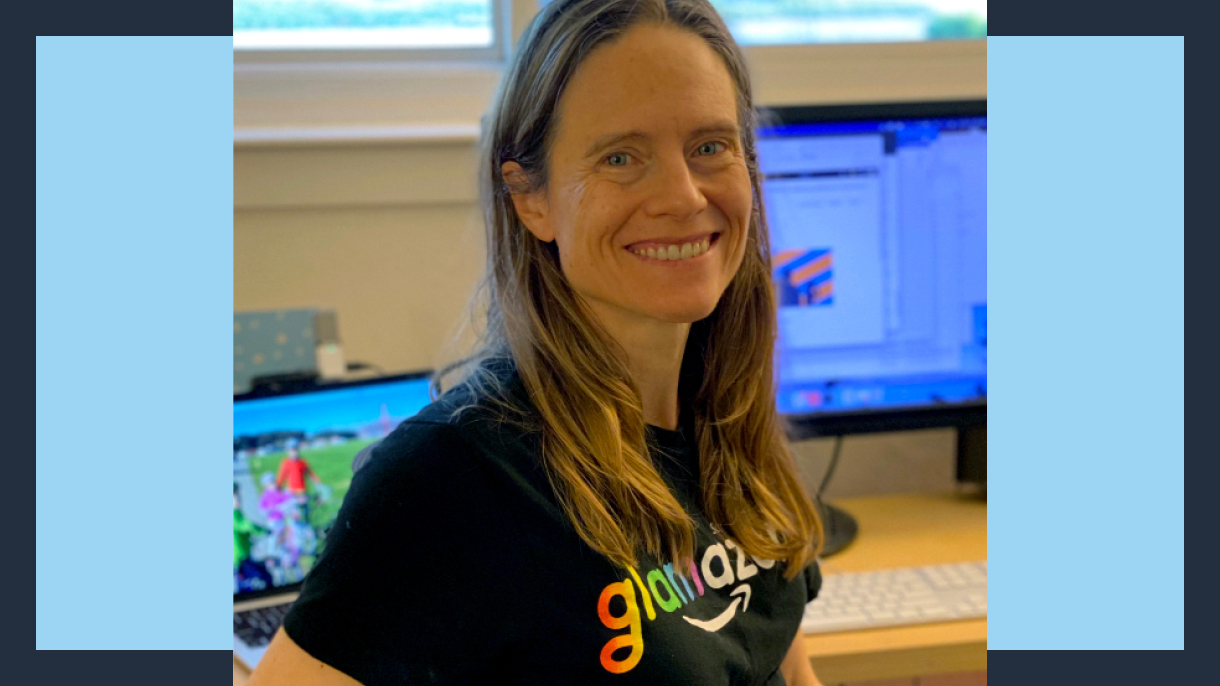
{"x":415,"y":584}
{"x":813,"y":580}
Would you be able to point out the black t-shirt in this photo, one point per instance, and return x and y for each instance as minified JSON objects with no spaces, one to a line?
{"x":451,"y":562}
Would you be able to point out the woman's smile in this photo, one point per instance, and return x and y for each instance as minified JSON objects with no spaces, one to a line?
{"x":691,"y":251}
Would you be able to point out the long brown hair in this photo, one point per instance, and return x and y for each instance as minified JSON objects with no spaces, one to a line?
{"x":588,"y":412}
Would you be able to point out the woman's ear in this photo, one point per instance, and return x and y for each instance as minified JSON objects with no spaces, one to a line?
{"x":531,"y":206}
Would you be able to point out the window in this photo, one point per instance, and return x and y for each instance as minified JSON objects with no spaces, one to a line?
{"x":776,"y":22}
{"x":399,"y":24}
{"x":363,"y":24}
{"x":771,"y":22}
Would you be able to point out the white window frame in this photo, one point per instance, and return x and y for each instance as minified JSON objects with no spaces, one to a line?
{"x":258,"y":59}
{"x":379,"y":96}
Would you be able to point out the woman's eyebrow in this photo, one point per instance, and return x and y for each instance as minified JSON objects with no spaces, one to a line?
{"x":614,"y":139}
{"x":721,"y":127}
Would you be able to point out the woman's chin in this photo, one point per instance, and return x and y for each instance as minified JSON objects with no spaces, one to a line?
{"x":682,"y":313}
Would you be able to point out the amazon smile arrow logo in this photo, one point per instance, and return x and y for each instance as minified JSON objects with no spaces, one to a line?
{"x":743,"y":597}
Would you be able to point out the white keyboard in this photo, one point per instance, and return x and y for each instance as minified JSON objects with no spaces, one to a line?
{"x":892,"y":597}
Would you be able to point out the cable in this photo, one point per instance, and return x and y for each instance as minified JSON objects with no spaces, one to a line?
{"x":830,"y":470}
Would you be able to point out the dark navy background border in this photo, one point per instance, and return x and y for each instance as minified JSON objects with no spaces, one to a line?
{"x":74,"y":18}
{"x":1007,"y":17}
{"x":1076,"y":18}
{"x":1023,"y":667}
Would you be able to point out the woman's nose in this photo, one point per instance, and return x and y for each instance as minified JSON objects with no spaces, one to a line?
{"x":674,"y":189}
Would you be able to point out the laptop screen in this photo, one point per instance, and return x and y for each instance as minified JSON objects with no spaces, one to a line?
{"x":292,"y":465}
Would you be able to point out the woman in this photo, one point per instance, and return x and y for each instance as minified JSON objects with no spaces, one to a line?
{"x":607,"y":497}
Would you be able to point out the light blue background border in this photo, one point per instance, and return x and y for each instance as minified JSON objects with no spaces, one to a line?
{"x":1085,"y":307}
{"x":134,"y":303}
{"x":134,"y":313}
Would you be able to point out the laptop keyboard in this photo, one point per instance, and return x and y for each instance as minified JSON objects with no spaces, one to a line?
{"x":256,"y":627}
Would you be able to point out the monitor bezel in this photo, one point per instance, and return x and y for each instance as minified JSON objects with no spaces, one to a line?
{"x":320,"y":387}
{"x":786,"y":115}
{"x":800,"y":426}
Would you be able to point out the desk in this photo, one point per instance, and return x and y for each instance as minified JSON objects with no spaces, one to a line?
{"x":905,"y":531}
{"x":897,"y":531}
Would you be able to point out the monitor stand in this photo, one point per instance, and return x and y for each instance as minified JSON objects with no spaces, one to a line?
{"x":972,"y":458}
{"x":838,"y":528}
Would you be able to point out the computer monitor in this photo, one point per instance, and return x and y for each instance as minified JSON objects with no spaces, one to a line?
{"x":292,"y":465}
{"x":878,"y":218}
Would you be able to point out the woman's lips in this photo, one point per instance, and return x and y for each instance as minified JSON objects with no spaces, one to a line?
{"x":659,"y":243}
{"x":673,"y":254}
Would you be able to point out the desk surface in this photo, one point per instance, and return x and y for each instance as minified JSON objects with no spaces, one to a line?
{"x":904,"y":531}
{"x":897,"y":531}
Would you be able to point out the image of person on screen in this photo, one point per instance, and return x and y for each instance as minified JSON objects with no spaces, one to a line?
{"x":603,"y":494}
{"x":296,"y":540}
{"x":272,"y":505}
{"x":293,"y":473}
{"x":272,"y":502}
{"x":248,"y":574}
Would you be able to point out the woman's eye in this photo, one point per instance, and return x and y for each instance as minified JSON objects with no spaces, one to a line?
{"x":618,"y":159}
{"x":710,"y":148}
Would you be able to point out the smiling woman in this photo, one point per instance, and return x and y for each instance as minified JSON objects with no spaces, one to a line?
{"x":646,"y":153}
{"x":606,"y":496}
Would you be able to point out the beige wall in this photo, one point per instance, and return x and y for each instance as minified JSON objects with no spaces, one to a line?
{"x":398,"y":277}
{"x":388,"y":234}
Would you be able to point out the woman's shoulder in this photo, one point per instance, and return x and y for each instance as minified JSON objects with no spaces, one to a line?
{"x":468,"y":425}
{"x":409,"y":548}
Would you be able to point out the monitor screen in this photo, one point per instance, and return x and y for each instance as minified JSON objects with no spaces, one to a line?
{"x":292,"y":465}
{"x":878,"y":219}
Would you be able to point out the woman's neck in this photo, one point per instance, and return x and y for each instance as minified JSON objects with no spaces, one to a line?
{"x":654,"y":359}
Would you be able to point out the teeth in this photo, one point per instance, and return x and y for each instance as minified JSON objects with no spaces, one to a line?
{"x":674,"y":252}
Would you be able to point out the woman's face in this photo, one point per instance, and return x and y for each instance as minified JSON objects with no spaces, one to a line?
{"x":646,"y":170}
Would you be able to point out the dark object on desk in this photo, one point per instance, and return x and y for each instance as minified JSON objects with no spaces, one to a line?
{"x":839,"y":528}
{"x":972,"y":456}
{"x":306,"y":381}
{"x":279,"y":384}
{"x":360,"y":366}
